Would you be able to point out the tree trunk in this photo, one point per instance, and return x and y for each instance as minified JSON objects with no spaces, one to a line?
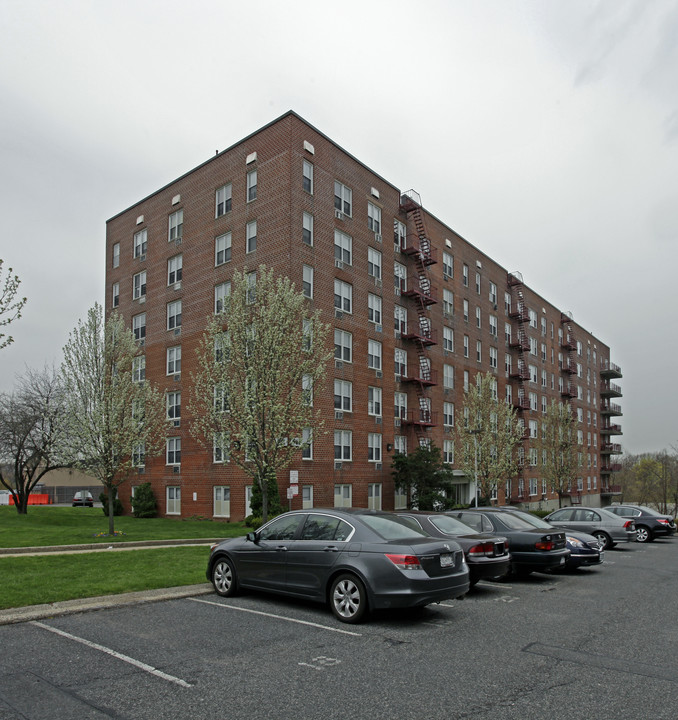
{"x":263,"y":480}
{"x":111,"y":508}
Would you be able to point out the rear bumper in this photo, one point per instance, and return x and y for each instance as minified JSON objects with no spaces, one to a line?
{"x":417,"y":592}
{"x":494,"y":567}
{"x":585,"y":559}
{"x":539,"y":561}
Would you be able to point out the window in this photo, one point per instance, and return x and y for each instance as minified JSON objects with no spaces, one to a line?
{"x":533,"y":426}
{"x":533,"y":318}
{"x":173,"y":496}
{"x":222,"y":249}
{"x":399,"y":234}
{"x":174,"y":315}
{"x":478,"y":317}
{"x":374,"y":401}
{"x":174,"y":407}
{"x":465,"y":310}
{"x":307,"y":177}
{"x":221,"y":292}
{"x":343,"y":346}
{"x":116,"y":255}
{"x":223,"y":200}
{"x":222,"y":501}
{"x":343,"y":395}
{"x":478,"y":283}
{"x":307,"y":444}
{"x":448,"y":414}
{"x":251,"y":185}
{"x":400,"y":444}
{"x":139,"y":286}
{"x":494,"y":357}
{"x":400,"y":275}
{"x":139,"y":369}
{"x":307,"y":281}
{"x":448,"y":265}
{"x":174,"y":360}
{"x":466,"y":346}
{"x":374,"y":447}
{"x":343,"y":296}
{"x":139,"y":326}
{"x":400,"y":405}
{"x":174,"y":269}
{"x":400,"y":319}
{"x":343,"y":198}
{"x":173,"y":453}
{"x":176,"y":226}
{"x":448,"y":377}
{"x":448,"y":339}
{"x":374,"y":309}
{"x":448,"y":452}
{"x":306,"y":497}
{"x":373,"y":217}
{"x":343,"y":248}
{"x":115,"y":294}
{"x":139,"y":457}
{"x":140,"y":243}
{"x":464,"y":274}
{"x":374,"y":354}
{"x":493,"y":326}
{"x":507,"y":333}
{"x":493,"y":293}
{"x":251,"y":287}
{"x":342,"y":496}
{"x":374,"y":263}
{"x":374,"y":496}
{"x":307,"y":229}
{"x":307,"y":390}
{"x":251,"y":236}
{"x":448,"y":302}
{"x":400,"y":360}
{"x":342,"y":445}
{"x":220,"y":448}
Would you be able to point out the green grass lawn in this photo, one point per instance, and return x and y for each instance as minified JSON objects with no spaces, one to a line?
{"x":33,"y":580}
{"x":74,"y":526}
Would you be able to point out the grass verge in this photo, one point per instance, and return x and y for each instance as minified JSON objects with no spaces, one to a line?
{"x":33,"y":580}
{"x":74,"y":526}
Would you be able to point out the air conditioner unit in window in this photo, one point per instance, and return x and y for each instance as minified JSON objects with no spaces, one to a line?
{"x":338,"y":415}
{"x":177,"y":241}
{"x":378,"y":328}
{"x":377,"y":466}
{"x":142,"y":342}
{"x":176,"y":423}
{"x":176,"y":469}
{"x":378,"y":373}
{"x":337,"y":466}
{"x":397,"y":422}
{"x":142,"y":257}
{"x":377,"y":421}
{"x":397,"y":291}
{"x":177,"y":285}
{"x":177,"y":331}
{"x":339,"y":264}
{"x":338,"y":314}
{"x":338,"y":214}
{"x":377,"y":237}
{"x":338,"y":364}
{"x":396,"y":247}
{"x":141,"y":470}
{"x":377,"y":282}
{"x":142,"y":299}
{"x":177,"y":377}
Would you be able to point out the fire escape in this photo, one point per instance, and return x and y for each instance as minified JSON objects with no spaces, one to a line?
{"x":609,"y":409}
{"x":519,"y":371}
{"x":568,"y":367}
{"x":421,"y":293}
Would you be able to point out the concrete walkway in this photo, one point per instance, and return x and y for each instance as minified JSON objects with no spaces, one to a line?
{"x":66,"y":607}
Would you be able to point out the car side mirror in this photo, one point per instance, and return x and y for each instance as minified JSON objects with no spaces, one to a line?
{"x":252,"y":537}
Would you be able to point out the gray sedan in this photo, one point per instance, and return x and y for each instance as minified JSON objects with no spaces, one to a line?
{"x":354,"y":560}
{"x":605,"y":526}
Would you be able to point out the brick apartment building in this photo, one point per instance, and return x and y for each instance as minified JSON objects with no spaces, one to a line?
{"x":417,"y":312}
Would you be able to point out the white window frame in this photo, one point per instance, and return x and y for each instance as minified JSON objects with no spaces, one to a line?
{"x":221,"y":500}
{"x":140,"y":243}
{"x":343,"y":445}
{"x":251,"y":236}
{"x":173,"y":500}
{"x":223,"y":200}
{"x":374,"y":308}
{"x":222,"y":249}
{"x":221,"y":292}
{"x":307,"y":229}
{"x":374,"y":354}
{"x":175,"y":267}
{"x":175,"y":226}
{"x":374,"y":404}
{"x":374,"y":263}
{"x":374,"y":447}
{"x":343,"y":296}
{"x":173,"y":364}
{"x":307,"y":176}
{"x":174,"y":314}
{"x":307,"y":281}
{"x":343,"y":495}
{"x":374,"y":496}
{"x":343,"y":345}
{"x":374,"y":217}
{"x":139,"y":285}
{"x":173,"y":451}
{"x":343,"y":198}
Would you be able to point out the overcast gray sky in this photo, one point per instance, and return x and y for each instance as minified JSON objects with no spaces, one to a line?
{"x":543,"y":131}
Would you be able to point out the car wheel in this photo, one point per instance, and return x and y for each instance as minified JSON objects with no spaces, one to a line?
{"x":224,"y":578}
{"x":643,"y":534}
{"x":603,"y":539}
{"x":348,"y":598}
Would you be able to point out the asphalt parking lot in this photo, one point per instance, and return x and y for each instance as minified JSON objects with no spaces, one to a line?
{"x":598,"y":643}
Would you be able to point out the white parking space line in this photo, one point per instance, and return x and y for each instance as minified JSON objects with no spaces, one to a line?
{"x":117,"y":655}
{"x":496,"y":586}
{"x":277,"y":617}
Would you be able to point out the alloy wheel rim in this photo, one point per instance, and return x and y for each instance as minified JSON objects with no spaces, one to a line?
{"x":346,"y":598}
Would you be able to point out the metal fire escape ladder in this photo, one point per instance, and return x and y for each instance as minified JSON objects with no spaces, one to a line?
{"x":420,"y":292}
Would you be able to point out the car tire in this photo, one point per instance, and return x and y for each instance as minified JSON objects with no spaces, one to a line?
{"x":224,"y":578}
{"x":643,"y":534}
{"x":348,"y":598}
{"x":603,"y":538}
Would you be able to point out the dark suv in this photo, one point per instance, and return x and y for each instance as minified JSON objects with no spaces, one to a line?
{"x":649,"y":523}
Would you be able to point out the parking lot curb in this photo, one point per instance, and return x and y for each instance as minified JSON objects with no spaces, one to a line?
{"x":68,"y":607}
{"x":101,"y":546}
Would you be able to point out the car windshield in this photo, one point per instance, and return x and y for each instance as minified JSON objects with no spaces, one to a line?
{"x":514,"y":522}
{"x":448,"y":525}
{"x":392,"y":528}
{"x":532,"y":520}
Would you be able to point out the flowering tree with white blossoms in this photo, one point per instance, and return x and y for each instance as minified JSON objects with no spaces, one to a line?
{"x":261,"y":360}
{"x":114,"y":419}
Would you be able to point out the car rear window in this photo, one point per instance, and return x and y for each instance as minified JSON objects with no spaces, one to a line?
{"x":448,"y":525}
{"x":515,"y":522}
{"x":392,"y":528}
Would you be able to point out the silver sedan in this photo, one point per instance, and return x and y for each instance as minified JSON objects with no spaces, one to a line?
{"x":605,"y":526}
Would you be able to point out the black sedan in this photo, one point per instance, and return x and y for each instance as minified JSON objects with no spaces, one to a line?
{"x":649,"y":523}
{"x":585,"y":550}
{"x":487,"y":556}
{"x":354,"y":560}
{"x":532,"y":549}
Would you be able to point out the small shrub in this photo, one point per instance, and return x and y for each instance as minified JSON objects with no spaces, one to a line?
{"x":144,"y":504}
{"x":117,"y":505}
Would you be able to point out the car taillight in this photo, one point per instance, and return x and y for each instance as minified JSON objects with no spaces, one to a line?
{"x":663,"y":521}
{"x":545,"y":545}
{"x":485,"y":549}
{"x":405,"y":562}
{"x":629,"y":525}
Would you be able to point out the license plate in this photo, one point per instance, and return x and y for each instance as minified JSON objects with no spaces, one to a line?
{"x":602,"y":555}
{"x":562,"y":561}
{"x":446,"y":560}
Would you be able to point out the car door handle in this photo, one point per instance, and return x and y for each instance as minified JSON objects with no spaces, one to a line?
{"x":331,"y":548}
{"x":281,"y":548}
